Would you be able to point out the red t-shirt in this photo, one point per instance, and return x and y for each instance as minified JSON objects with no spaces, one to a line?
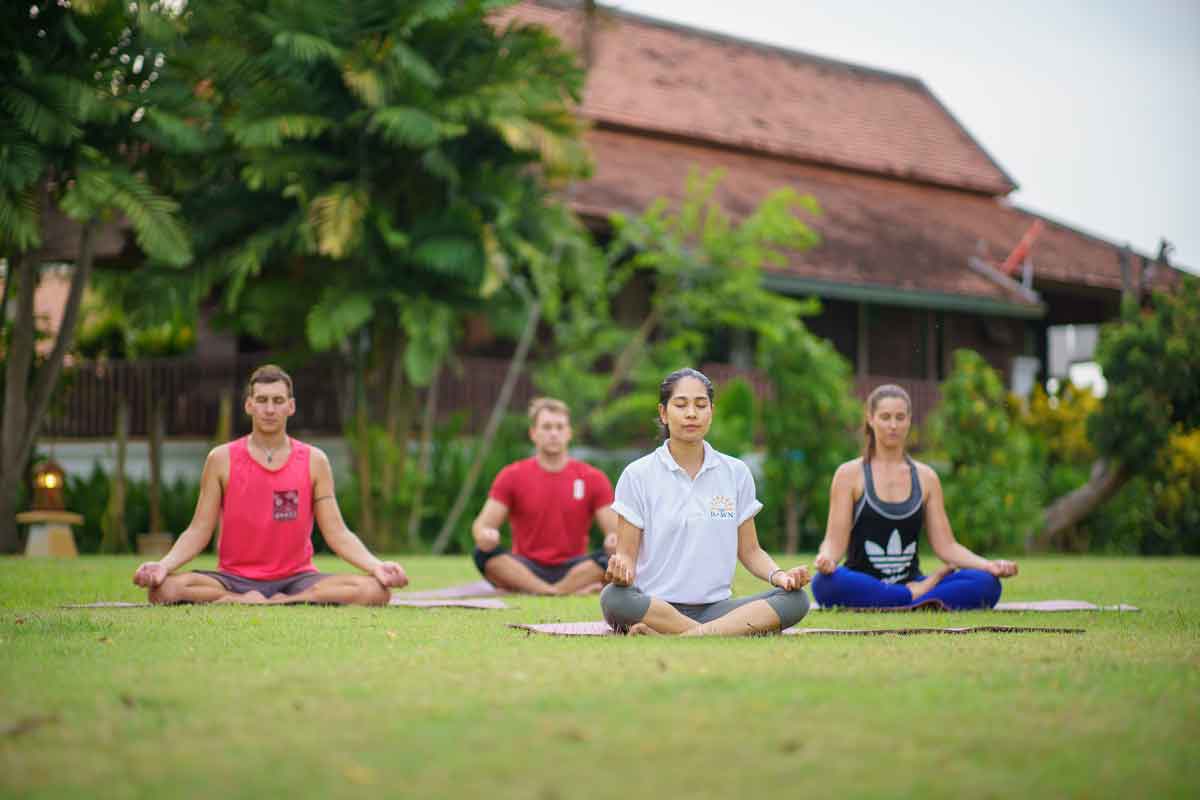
{"x":551,"y":512}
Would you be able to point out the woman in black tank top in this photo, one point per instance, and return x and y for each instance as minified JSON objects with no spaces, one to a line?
{"x":878,"y":505}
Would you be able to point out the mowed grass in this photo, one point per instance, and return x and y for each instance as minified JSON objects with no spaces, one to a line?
{"x":231,"y":702}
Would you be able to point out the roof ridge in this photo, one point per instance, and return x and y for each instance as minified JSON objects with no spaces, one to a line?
{"x":727,"y":38}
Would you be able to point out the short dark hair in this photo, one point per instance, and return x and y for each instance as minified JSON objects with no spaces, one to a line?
{"x":268,"y":373}
{"x":667,"y":388}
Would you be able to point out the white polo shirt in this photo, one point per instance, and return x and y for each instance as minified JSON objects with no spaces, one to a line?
{"x":689,"y":527}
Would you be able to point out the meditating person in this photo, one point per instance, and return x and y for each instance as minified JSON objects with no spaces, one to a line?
{"x":266,"y":489}
{"x":877,"y":506}
{"x":685,"y":517}
{"x":549,"y":501}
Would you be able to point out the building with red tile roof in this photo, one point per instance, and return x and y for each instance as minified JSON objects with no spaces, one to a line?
{"x":916,"y":218}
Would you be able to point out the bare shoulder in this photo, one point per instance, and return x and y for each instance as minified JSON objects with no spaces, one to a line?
{"x":318,"y":455}
{"x":218,"y":458}
{"x":927,"y":474}
{"x":849,"y":471}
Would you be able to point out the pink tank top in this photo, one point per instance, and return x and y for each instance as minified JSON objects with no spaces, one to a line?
{"x":267,"y":517}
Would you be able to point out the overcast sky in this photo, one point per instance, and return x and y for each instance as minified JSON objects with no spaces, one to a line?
{"x":1091,"y":106}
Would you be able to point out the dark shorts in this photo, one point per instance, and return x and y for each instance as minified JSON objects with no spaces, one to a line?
{"x":292,"y":584}
{"x":550,"y":573}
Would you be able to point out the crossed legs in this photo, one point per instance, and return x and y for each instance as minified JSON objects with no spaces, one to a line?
{"x":505,"y":572}
{"x":193,"y":587}
{"x":626,"y":608}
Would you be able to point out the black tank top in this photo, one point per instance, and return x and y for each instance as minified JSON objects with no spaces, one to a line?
{"x":883,"y":539}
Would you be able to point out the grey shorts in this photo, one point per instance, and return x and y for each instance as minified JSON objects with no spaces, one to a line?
{"x":624,"y":606}
{"x":292,"y":584}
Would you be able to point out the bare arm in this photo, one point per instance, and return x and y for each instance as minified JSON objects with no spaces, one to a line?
{"x":941,"y":537}
{"x":198,"y":533}
{"x":760,"y":564}
{"x":486,"y":527}
{"x":606,"y":518}
{"x":621,"y":564}
{"x":338,"y":536}
{"x":841,"y":516}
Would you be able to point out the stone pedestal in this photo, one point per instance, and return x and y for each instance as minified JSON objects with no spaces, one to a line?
{"x":154,"y":544}
{"x":50,"y":533}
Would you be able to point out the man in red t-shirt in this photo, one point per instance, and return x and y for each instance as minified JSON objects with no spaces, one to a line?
{"x":549,"y":501}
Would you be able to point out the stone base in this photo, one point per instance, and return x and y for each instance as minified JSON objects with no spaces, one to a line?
{"x":53,"y":540}
{"x":154,"y":544}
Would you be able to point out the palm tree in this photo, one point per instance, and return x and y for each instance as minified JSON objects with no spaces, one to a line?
{"x":75,"y":130}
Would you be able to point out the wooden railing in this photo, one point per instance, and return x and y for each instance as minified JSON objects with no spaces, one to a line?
{"x":86,"y":400}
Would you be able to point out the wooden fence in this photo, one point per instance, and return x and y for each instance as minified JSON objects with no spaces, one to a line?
{"x":86,"y":400}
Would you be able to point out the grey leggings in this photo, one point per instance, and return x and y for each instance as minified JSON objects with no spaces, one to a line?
{"x":623,"y":606}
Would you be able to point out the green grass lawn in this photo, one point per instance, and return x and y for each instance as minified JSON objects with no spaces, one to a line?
{"x":260,"y":703}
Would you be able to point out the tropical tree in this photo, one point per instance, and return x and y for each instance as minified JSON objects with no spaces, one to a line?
{"x":75,"y":140}
{"x":1151,"y":361}
{"x":702,"y":271}
{"x":382,"y":170}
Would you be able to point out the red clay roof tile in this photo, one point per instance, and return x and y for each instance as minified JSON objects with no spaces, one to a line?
{"x":660,"y":77}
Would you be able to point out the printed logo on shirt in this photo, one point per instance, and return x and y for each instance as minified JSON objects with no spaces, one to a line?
{"x":893,"y":562}
{"x":287,"y":504}
{"x":577,"y":490}
{"x":721,"y":507}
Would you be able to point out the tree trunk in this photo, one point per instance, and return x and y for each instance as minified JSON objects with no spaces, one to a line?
{"x":791,"y":517}
{"x":485,"y":443}
{"x":115,"y":537}
{"x":1067,"y":511}
{"x":624,"y":365}
{"x":154,"y":444}
{"x":25,"y":406}
{"x":363,"y":470}
{"x":22,"y":272}
{"x":425,"y":464}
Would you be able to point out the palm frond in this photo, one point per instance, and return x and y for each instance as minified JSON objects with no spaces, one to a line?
{"x":307,"y":48}
{"x":337,"y":219}
{"x":273,"y":131}
{"x":335,"y":316}
{"x":405,"y":126}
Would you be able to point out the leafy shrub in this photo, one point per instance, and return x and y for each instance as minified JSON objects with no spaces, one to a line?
{"x":993,"y":487}
{"x":808,"y":425}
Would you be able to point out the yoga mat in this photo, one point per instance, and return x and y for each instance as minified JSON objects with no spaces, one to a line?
{"x":475,"y":589}
{"x":397,"y":600}
{"x":602,"y":629}
{"x":479,"y":588}
{"x":478,"y":602}
{"x":933,"y":604}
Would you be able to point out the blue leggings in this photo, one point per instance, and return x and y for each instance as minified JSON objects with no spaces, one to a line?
{"x":962,"y":589}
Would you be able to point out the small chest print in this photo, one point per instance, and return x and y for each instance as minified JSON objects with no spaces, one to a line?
{"x":721,"y":507}
{"x":577,"y":489}
{"x":287,"y":504}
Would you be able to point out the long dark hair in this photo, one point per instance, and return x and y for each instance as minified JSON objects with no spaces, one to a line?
{"x":879,"y":393}
{"x":667,"y":388}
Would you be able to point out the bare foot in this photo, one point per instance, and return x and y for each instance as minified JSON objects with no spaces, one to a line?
{"x":251,"y":598}
{"x":642,"y":629}
{"x":591,"y":588}
{"x":920,"y":588}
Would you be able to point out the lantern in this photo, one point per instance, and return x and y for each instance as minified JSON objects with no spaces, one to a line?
{"x":48,"y":482}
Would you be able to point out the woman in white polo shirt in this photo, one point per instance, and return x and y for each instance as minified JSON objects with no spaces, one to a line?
{"x":685,"y":518}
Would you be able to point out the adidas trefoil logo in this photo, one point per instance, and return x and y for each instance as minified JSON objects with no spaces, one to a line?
{"x":893,"y":562}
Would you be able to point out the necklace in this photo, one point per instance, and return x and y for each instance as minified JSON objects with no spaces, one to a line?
{"x":270,"y":451}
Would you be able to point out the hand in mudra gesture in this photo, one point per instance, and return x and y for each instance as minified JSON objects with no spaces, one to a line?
{"x":791,"y":580}
{"x":620,"y":570}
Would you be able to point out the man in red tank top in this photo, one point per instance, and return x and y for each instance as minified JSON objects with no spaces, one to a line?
{"x":267,"y":490}
{"x":549,"y":501}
